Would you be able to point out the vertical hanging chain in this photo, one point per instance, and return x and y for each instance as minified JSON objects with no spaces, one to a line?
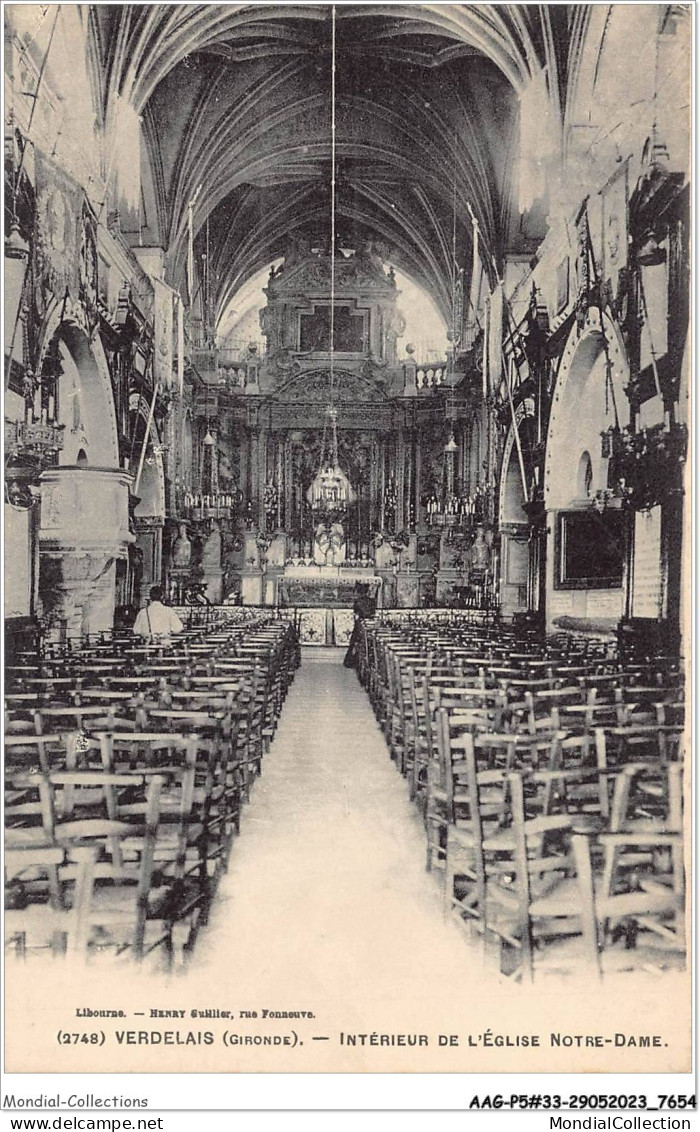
{"x":332,"y":312}
{"x":454,"y":290}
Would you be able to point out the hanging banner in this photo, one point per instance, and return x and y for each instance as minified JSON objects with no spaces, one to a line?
{"x":583,"y":265}
{"x":615,"y":226}
{"x":88,"y":269}
{"x":495,"y":337}
{"x":127,"y":154}
{"x":190,"y":253}
{"x":180,"y":344}
{"x":57,"y":234}
{"x":162,"y":334}
{"x":458,"y":308}
{"x":485,"y":350}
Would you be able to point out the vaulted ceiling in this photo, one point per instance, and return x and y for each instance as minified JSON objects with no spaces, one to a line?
{"x":237,"y":99}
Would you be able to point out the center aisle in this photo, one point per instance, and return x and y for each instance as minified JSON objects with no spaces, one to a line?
{"x":327,"y":887}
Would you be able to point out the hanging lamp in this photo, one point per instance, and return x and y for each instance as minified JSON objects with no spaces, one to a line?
{"x":330,"y":490}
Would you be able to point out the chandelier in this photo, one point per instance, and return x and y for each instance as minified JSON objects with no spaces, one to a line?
{"x":456,"y":509}
{"x":330,"y":489}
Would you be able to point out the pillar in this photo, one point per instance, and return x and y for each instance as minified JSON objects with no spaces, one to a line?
{"x":84,"y":529}
{"x":400,"y":478}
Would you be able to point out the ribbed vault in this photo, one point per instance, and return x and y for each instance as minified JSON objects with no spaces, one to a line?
{"x":236,"y":99}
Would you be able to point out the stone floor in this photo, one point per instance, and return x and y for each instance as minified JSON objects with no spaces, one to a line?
{"x":327,"y":881}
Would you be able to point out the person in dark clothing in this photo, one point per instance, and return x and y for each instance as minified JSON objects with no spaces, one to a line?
{"x":364,"y":608}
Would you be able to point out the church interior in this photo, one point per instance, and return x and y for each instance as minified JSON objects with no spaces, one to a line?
{"x":354,"y":341}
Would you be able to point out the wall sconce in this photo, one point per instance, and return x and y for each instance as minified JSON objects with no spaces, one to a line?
{"x":650,"y":254}
{"x":16,"y":260}
{"x":18,"y":492}
{"x":608,"y":499}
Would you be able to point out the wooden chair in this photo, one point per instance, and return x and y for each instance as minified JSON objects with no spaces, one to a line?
{"x":34,"y":752}
{"x":617,"y":747}
{"x":127,"y":913}
{"x":47,"y":902}
{"x":199,"y":810}
{"x":445,"y":792}
{"x":29,"y":810}
{"x":539,"y":901}
{"x":479,"y":809}
{"x":638,"y":912}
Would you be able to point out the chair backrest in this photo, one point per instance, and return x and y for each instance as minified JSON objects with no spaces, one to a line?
{"x":34,"y":752}
{"x":64,"y":887}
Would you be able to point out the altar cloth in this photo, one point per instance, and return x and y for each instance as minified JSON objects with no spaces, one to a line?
{"x":322,"y":586}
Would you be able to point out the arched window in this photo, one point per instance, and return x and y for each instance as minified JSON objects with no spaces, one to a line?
{"x":584,"y":479}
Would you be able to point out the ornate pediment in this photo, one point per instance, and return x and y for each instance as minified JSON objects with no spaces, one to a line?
{"x":311,"y":275}
{"x":314,"y":386}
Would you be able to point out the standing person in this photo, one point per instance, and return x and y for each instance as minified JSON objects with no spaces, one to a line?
{"x":364,"y":606}
{"x":156,"y":622}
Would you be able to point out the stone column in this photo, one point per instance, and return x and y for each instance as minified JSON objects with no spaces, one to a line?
{"x":84,"y":529}
{"x":410,"y":388}
{"x":382,"y":480}
{"x":417,"y":476}
{"x":288,"y":483}
{"x":408,"y":487}
{"x":373,"y":483}
{"x":255,"y":496}
{"x":400,"y":478}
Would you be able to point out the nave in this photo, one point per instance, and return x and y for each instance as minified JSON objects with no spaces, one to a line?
{"x":347,"y":323}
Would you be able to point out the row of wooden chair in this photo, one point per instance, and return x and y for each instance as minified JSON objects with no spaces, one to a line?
{"x":122,"y":801}
{"x":551,"y":791}
{"x":532,"y":862}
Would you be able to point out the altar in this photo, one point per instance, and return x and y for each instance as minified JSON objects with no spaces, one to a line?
{"x":324,"y":586}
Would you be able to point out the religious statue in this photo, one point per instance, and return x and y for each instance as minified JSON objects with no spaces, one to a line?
{"x":182,"y":548}
{"x":329,"y":544}
{"x":480,"y":550}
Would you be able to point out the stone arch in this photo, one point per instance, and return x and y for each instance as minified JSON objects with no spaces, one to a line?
{"x":84,"y":516}
{"x":581,"y":383}
{"x":513,"y":525}
{"x":588,"y":399}
{"x":85,"y":400}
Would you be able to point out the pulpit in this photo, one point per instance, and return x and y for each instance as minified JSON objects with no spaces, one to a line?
{"x":84,"y":530}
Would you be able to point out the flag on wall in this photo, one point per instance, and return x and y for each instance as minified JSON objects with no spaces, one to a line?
{"x":190,"y":253}
{"x":163,"y":334}
{"x":614,"y":225}
{"x":57,"y":234}
{"x":127,"y":153}
{"x":180,"y":344}
{"x":190,"y":247}
{"x":495,"y":348}
{"x":537,"y":134}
